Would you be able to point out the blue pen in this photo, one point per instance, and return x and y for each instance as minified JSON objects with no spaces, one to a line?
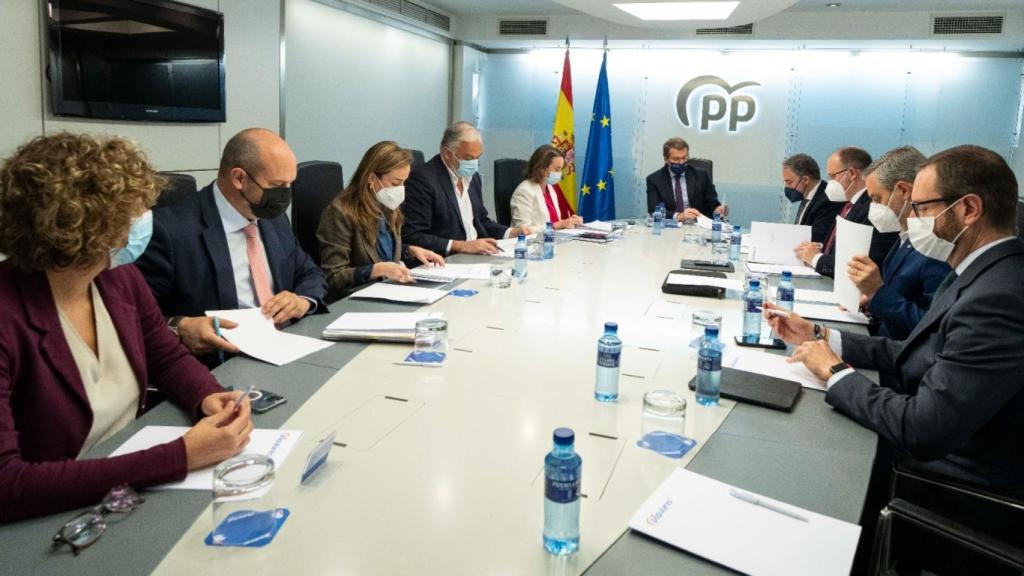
{"x":216,"y":328}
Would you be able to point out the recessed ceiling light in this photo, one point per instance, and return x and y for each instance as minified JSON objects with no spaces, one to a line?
{"x":679,"y":10}
{"x":834,"y":4}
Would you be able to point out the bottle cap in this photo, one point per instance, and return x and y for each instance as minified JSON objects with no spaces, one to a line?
{"x":787,"y":275}
{"x":711,"y":330}
{"x":612,"y":327}
{"x":755,"y":283}
{"x":564,"y":436}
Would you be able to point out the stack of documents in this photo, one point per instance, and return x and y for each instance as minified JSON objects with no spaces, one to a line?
{"x":400,"y":293}
{"x":450,"y":272}
{"x":693,"y":280}
{"x":775,"y":365}
{"x":774,"y":243}
{"x":256,"y":336}
{"x":745,"y":531}
{"x":376,"y":326}
{"x":599,"y":226}
{"x":829,"y":313}
{"x":798,"y":271}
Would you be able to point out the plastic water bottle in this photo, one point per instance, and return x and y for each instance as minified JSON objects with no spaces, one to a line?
{"x":784,"y":294}
{"x":549,"y":241}
{"x":716,"y":229}
{"x":609,"y":351}
{"x":734,"y":243}
{"x":753,"y":303}
{"x":709,"y":367}
{"x":562,"y":468}
{"x":659,"y":219}
{"x":520,"y":261}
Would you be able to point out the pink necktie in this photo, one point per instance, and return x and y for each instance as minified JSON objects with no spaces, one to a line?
{"x":257,"y":264}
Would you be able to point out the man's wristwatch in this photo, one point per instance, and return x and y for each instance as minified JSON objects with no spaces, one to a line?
{"x":173,"y":324}
{"x":819,"y":332}
{"x":839,"y":368}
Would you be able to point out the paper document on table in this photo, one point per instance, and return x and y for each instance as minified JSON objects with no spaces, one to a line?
{"x":667,"y":310}
{"x":277,"y":444}
{"x":374,"y":326}
{"x":508,"y":248}
{"x":745,"y":531}
{"x":704,"y":222}
{"x":851,"y":239}
{"x":256,"y":336}
{"x":599,"y":226}
{"x":826,"y":296}
{"x":774,"y":365}
{"x":690,"y":280}
{"x":746,"y":244}
{"x":829,"y":313}
{"x":400,"y":293}
{"x":450,"y":272}
{"x":800,"y":271}
{"x":570,"y":232}
{"x":774,"y":243}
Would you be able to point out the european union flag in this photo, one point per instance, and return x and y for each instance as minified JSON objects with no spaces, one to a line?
{"x":597,"y":194}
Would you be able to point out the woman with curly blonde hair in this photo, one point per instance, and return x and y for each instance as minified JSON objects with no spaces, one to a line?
{"x":81,"y":335}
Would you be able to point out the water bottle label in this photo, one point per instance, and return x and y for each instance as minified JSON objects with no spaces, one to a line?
{"x":786,"y":294}
{"x":754,"y":306}
{"x":608,"y":359}
{"x":709,"y":363}
{"x":562,"y":491}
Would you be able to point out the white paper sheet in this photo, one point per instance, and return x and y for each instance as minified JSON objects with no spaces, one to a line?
{"x":640,"y":362}
{"x":688,"y":280}
{"x":599,"y":226}
{"x":700,"y":515}
{"x":380,"y":321}
{"x":798,"y":271}
{"x":667,"y":310}
{"x":277,"y":444}
{"x":825,"y":296}
{"x":851,"y":239}
{"x":450,"y":272}
{"x":704,"y":222}
{"x":400,"y":293}
{"x":774,"y":243}
{"x":508,"y":248}
{"x":256,"y":336}
{"x":760,"y":362}
{"x":571,"y":232}
{"x":828,"y":312}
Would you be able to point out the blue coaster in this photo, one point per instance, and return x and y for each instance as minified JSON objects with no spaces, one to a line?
{"x":248,"y":528}
{"x":462,"y":293}
{"x":667,"y":444}
{"x":425,"y":358}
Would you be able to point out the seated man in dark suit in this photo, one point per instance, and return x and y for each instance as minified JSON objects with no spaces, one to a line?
{"x":230,"y":246}
{"x":898,"y":294}
{"x":951,"y":398}
{"x":444,"y":208}
{"x":802,"y":179}
{"x":684,"y":189}
{"x":846,"y":168}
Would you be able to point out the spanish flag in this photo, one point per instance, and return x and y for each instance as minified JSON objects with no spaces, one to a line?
{"x":563,"y":136}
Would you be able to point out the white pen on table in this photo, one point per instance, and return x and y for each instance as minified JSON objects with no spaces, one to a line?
{"x":777,"y":312}
{"x":248,"y":394}
{"x":758,"y":501}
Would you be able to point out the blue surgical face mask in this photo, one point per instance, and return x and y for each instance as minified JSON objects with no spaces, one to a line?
{"x":138,"y":238}
{"x":468,"y":167}
{"x":678,"y":169}
{"x":554,"y":178}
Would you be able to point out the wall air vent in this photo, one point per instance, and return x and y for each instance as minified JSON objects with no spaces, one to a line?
{"x":951,"y":25}
{"x":414,"y":11}
{"x":744,"y":30}
{"x":523,"y":27}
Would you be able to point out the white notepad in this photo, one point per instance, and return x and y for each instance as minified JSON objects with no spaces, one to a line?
{"x":829,"y":312}
{"x":774,"y":365}
{"x":256,"y":336}
{"x":691,"y":280}
{"x":383,"y":326}
{"x":400,"y":293}
{"x":800,"y":271}
{"x":774,"y":243}
{"x":450,"y":272}
{"x":851,"y":239}
{"x":708,"y":518}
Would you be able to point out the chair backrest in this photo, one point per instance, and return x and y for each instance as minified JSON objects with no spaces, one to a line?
{"x":704,"y":164}
{"x":508,"y":173}
{"x":177,"y":189}
{"x":417,"y":158}
{"x":316,"y":184}
{"x":1020,"y":219}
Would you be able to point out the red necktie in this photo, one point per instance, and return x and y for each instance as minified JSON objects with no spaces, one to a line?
{"x":832,"y":236}
{"x":552,"y":210}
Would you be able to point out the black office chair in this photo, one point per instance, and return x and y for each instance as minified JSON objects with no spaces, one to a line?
{"x":179,"y":187}
{"x":941,"y":526}
{"x":316,"y":184}
{"x":417,"y":158}
{"x":1020,"y":219}
{"x":704,"y":164}
{"x":508,"y":173}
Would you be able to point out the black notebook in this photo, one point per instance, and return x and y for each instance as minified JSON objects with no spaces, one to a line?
{"x":757,"y":389}
{"x":706,"y":265}
{"x":687,"y":290}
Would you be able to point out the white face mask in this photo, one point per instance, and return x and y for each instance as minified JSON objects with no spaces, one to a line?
{"x":924,"y":239}
{"x":883,"y":218}
{"x":554,"y":178}
{"x":391,"y":197}
{"x":835,"y":191}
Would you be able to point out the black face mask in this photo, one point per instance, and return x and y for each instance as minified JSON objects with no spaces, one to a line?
{"x":793,"y":195}
{"x":678,"y":169}
{"x":275,"y":200}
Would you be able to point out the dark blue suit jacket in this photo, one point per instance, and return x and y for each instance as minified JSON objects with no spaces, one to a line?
{"x":431,"y":209}
{"x":820,"y":214}
{"x":188,"y":265}
{"x":881,"y":244}
{"x":700,"y":191}
{"x":910,"y":281}
{"x":952,"y":395}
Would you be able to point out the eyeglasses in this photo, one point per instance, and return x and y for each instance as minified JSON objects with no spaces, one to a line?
{"x":915,"y":206}
{"x":85,"y":529}
{"x":832,"y":176}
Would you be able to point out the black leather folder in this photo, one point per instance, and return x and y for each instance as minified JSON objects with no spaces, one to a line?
{"x":757,"y":389}
{"x":706,"y":265}
{"x":705,"y":291}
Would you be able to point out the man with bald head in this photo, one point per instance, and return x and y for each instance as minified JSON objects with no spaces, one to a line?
{"x":231,"y":246}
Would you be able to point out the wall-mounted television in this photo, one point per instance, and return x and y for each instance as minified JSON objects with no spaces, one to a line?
{"x":156,"y":60}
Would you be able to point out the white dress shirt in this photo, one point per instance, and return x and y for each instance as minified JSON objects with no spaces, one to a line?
{"x":465,"y":207}
{"x":234,"y":222}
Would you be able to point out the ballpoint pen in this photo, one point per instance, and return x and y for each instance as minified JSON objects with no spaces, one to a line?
{"x":248,"y":394}
{"x":758,"y":501}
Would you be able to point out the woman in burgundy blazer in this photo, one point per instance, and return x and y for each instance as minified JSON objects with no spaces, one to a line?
{"x":45,"y":413}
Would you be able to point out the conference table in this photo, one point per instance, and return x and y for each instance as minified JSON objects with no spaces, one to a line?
{"x":440,"y":470}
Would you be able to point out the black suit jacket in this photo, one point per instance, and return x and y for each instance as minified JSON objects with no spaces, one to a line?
{"x":881,"y":244}
{"x":820,"y":214}
{"x":188,"y":265}
{"x":952,"y":395}
{"x":431,"y":209}
{"x":700,"y":191}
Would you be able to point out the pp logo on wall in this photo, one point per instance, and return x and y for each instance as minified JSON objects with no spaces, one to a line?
{"x":714,"y":108}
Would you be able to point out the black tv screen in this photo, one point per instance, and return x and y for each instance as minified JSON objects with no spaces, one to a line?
{"x":135,"y":60}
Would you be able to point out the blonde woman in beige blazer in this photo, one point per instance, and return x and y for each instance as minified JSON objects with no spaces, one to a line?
{"x":539,"y":199}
